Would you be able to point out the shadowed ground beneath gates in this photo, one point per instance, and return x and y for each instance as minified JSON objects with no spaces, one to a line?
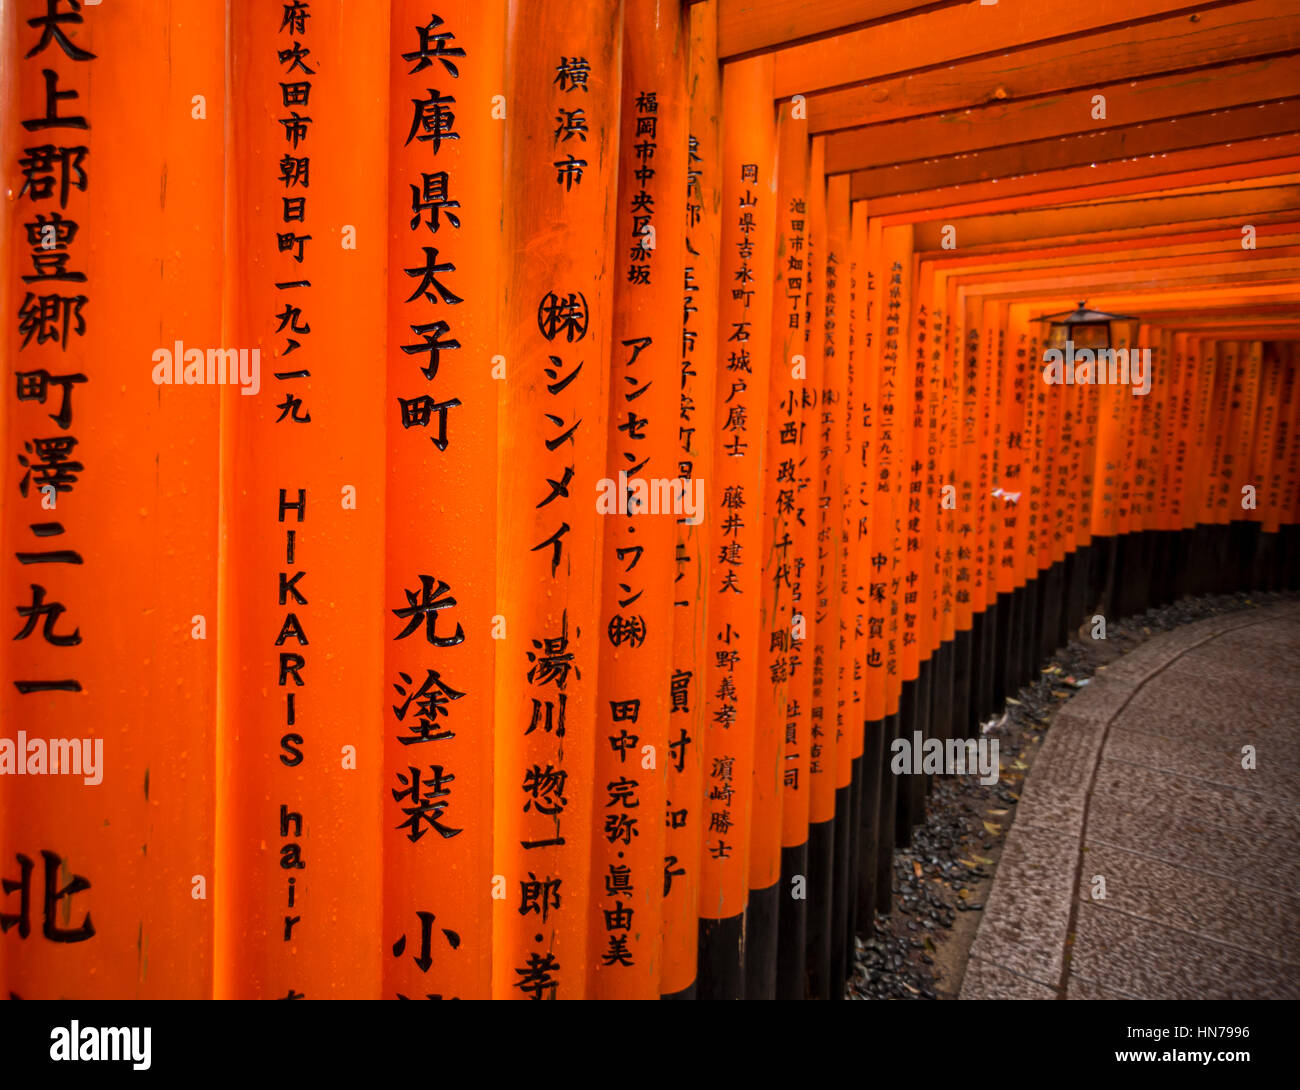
{"x":1141,"y":783}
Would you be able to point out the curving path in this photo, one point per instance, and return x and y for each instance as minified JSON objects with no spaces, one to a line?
{"x":1140,"y":784}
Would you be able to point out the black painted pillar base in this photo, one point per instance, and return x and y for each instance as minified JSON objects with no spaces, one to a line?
{"x":1050,"y":605}
{"x":1001,"y":649}
{"x":1197,"y":552}
{"x":847,"y":801}
{"x":1264,"y":564}
{"x":1106,"y":572}
{"x":1069,"y":568}
{"x":1015,"y":633}
{"x":1183,"y":553}
{"x":986,"y":671}
{"x":916,"y":783}
{"x":761,"y":929}
{"x":1218,"y":573}
{"x":820,"y":860}
{"x":908,"y":696}
{"x":722,"y":959}
{"x":978,"y":682}
{"x":1120,"y":596}
{"x":1037,"y":588}
{"x":1245,"y":539}
{"x":1033,"y":629}
{"x":947,"y":698}
{"x":691,"y":991}
{"x":888,"y":809}
{"x":1138,"y":576}
{"x":941,"y":704}
{"x":874,"y":754}
{"x":1080,"y":585}
{"x":847,"y":876}
{"x":1162,"y":567}
{"x":795,"y":916}
{"x":1019,"y":635}
{"x":961,"y":722}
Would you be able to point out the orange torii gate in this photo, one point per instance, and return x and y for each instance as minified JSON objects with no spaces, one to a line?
{"x":598,"y":624}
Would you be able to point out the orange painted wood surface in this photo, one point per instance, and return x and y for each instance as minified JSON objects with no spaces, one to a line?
{"x":560,"y":267}
{"x":733,"y":682}
{"x":109,"y":506}
{"x":444,"y":382}
{"x":696,"y":454}
{"x":300,"y":664}
{"x":479,"y":473}
{"x":633,"y":757}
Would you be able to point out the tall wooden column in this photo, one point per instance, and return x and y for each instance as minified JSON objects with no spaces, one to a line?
{"x":732,"y":678}
{"x":697,"y":454}
{"x":564,"y":77}
{"x":446,"y":372}
{"x":651,"y":495}
{"x":301,"y":667}
{"x":108,"y":501}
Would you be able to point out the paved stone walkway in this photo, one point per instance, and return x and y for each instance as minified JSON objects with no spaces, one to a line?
{"x":1140,"y":782}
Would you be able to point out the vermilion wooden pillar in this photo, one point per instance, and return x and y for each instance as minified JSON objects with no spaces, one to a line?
{"x":1200,"y":464}
{"x":1045,"y":407}
{"x":1281,"y":395}
{"x":1111,"y":415}
{"x":964,"y":446}
{"x":299,"y":800}
{"x":915,"y":516}
{"x":944,"y":501}
{"x":838,"y":800}
{"x":1020,"y":369}
{"x":893,"y":450}
{"x":1165,"y":560}
{"x":1288,"y":455}
{"x":697,"y":454}
{"x":1248,"y":433}
{"x":968,"y":582}
{"x":983,"y":370}
{"x":563,"y":77}
{"x":1135,"y":413}
{"x":1243,"y":494}
{"x":446,"y":371}
{"x":878,"y":395}
{"x":806,"y":884}
{"x":917,"y":528}
{"x":108,"y":504}
{"x":777,"y":918}
{"x":749,"y":212}
{"x":1086,"y":472}
{"x":1063,"y":485}
{"x":836,"y":338}
{"x":991,"y":348}
{"x":633,"y":757}
{"x":1225,"y":415}
{"x":889,"y":564}
{"x":1184,"y":442}
{"x":862,"y":690}
{"x":1045,"y":436}
{"x":1167,"y":391}
{"x":1002,"y":457}
{"x":1261,"y":455}
{"x":862,"y":623}
{"x":938,"y":400}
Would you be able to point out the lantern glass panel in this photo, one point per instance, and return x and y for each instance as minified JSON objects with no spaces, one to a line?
{"x":1092,"y":335}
